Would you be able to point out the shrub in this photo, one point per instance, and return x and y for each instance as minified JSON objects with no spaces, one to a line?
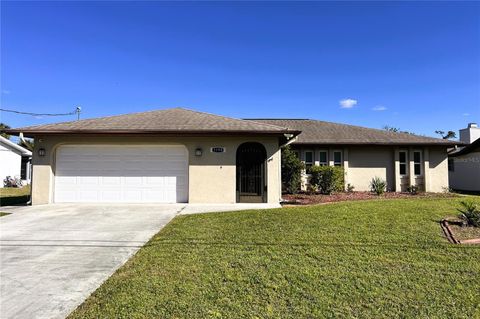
{"x":350,"y":188}
{"x":312,"y":189}
{"x":378,"y":185}
{"x":291,"y":171}
{"x":446,"y":189}
{"x":327,"y":179}
{"x":469,"y":214}
{"x":412,"y":189}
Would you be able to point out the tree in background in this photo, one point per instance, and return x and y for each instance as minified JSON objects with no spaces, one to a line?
{"x":391,"y":129}
{"x":448,"y":135}
{"x":291,"y":171}
{"x":396,"y":130}
{"x":4,"y":126}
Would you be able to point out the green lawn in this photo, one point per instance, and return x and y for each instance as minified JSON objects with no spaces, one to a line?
{"x":4,"y":214}
{"x":370,"y":259}
{"x":14,"y":196}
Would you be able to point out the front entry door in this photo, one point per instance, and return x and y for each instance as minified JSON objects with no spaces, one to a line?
{"x":251,"y":187}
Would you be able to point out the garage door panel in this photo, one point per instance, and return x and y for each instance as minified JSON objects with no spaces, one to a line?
{"x":88,"y":180}
{"x":67,"y":195}
{"x":111,"y":196}
{"x":87,"y":196}
{"x":134,"y":180}
{"x":121,"y":174}
{"x":111,"y":180}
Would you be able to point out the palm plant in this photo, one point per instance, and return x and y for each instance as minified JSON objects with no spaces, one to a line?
{"x":469,"y":214}
{"x":378,"y":185}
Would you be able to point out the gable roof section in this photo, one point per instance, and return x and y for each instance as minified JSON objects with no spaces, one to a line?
{"x":174,"y":121}
{"x":14,"y":147}
{"x":320,"y":132}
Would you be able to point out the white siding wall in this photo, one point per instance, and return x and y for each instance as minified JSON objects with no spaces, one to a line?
{"x":9,"y":164}
{"x":466,"y":174}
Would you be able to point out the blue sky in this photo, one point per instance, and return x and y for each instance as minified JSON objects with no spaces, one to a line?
{"x":413,"y":65}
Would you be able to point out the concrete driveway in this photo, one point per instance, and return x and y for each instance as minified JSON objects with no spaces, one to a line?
{"x":52,"y":257}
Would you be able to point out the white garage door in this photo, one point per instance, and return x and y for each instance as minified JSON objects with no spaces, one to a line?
{"x":126,"y":173}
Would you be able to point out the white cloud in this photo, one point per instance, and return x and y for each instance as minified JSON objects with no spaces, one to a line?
{"x":347,"y":103}
{"x":5,"y":92}
{"x":466,"y":114}
{"x":379,"y":108}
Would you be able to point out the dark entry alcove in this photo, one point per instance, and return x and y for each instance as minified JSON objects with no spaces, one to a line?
{"x":251,"y":171}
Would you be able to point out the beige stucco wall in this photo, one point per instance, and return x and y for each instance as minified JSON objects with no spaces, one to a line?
{"x":466,"y":172}
{"x":362,"y":163}
{"x":438,"y":174}
{"x":365,"y":163}
{"x":212,"y":177}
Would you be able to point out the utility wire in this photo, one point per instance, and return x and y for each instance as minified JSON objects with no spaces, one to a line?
{"x":40,"y":114}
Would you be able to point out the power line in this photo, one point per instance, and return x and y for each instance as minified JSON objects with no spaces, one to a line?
{"x":77,"y":111}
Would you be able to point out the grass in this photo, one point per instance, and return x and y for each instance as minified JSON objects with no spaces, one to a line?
{"x":4,"y":214}
{"x":14,"y":195}
{"x":369,"y":259}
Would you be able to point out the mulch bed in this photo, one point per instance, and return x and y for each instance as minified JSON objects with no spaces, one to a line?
{"x":311,"y":199}
{"x":456,"y":234}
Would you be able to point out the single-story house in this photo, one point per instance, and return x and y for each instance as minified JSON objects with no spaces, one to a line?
{"x":179,"y":155}
{"x":172,"y":155}
{"x":464,"y":162}
{"x":15,"y":161}
{"x":401,"y":159}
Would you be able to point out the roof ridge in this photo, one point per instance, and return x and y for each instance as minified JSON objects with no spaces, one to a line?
{"x":169,"y":119}
{"x":356,"y":126}
{"x":97,"y":118}
{"x":157,"y":110}
{"x":232,"y":118}
{"x":276,"y":119}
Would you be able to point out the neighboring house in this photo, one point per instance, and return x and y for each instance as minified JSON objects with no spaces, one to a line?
{"x":173,"y":155}
{"x":401,"y":159}
{"x":179,"y":155}
{"x":464,"y":162}
{"x":15,"y":161}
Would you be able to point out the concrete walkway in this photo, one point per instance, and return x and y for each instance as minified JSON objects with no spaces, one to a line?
{"x":52,"y":257}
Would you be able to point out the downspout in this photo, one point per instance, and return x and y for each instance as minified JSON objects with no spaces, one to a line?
{"x":22,"y":139}
{"x":31,"y":169}
{"x":291,"y":140}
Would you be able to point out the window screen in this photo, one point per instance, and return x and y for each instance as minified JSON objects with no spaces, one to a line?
{"x":403,"y":163}
{"x":337,"y":158}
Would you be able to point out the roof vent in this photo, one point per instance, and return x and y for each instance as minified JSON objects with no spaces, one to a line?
{"x":470,"y":125}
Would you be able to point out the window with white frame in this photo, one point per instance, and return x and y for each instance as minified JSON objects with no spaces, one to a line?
{"x":337,"y":158}
{"x":308,"y":160}
{"x":323,"y":158}
{"x":402,"y":159}
{"x":417,"y":163}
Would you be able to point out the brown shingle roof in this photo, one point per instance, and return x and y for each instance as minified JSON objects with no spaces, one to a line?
{"x":175,"y":120}
{"x":470,"y":148}
{"x":320,"y":132}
